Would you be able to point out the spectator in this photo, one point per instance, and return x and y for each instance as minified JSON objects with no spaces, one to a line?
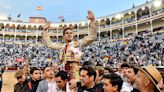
{"x":131,"y":73}
{"x":87,"y":80}
{"x":18,"y":87}
{"x":107,"y":70}
{"x":124,"y":68}
{"x":32,"y":85}
{"x":62,"y":81}
{"x":112,"y":82}
{"x":147,"y":79}
{"x":55,"y":68}
{"x":48,"y":84}
{"x":27,"y":73}
{"x":99,"y":74}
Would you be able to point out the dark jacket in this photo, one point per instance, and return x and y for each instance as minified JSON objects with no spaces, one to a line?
{"x":135,"y":90}
{"x":31,"y":86}
{"x":96,"y":88}
{"x":19,"y":87}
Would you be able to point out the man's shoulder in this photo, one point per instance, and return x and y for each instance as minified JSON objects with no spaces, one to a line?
{"x":26,"y":88}
{"x":43,"y":81}
{"x":79,"y":87}
{"x":99,"y":87}
{"x":96,"y":88}
{"x":17,"y":84}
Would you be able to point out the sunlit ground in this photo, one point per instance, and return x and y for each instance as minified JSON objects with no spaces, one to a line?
{"x":8,"y":82}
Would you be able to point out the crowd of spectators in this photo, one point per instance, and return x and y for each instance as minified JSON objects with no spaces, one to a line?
{"x":139,"y":50}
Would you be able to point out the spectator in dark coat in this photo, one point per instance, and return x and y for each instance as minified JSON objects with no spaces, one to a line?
{"x":32,"y":85}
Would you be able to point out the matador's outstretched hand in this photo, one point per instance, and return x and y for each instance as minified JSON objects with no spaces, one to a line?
{"x":91,"y":16}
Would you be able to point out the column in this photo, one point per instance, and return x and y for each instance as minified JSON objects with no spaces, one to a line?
{"x":123,"y":33}
{"x":136,"y":24}
{"x":37,"y":33}
{"x":111,"y":34}
{"x":15,"y":35}
{"x":57,"y":34}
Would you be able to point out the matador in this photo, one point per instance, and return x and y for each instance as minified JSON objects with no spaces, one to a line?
{"x":71,"y":50}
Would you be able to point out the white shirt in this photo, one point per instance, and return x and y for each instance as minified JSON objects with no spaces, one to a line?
{"x":52,"y":87}
{"x":67,"y":89}
{"x":126,"y":87}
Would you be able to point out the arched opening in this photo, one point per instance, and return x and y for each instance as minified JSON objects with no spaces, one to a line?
{"x":102,"y":23}
{"x":107,"y":21}
{"x":129,"y":17}
{"x":143,"y":13}
{"x":40,"y":27}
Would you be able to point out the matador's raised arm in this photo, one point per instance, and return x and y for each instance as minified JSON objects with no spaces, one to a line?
{"x":47,"y":40}
{"x":92,"y":31}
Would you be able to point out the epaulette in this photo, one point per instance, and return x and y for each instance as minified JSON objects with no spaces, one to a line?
{"x":75,"y":44}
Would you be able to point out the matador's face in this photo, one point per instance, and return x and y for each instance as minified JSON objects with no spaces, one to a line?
{"x":68,"y":35}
